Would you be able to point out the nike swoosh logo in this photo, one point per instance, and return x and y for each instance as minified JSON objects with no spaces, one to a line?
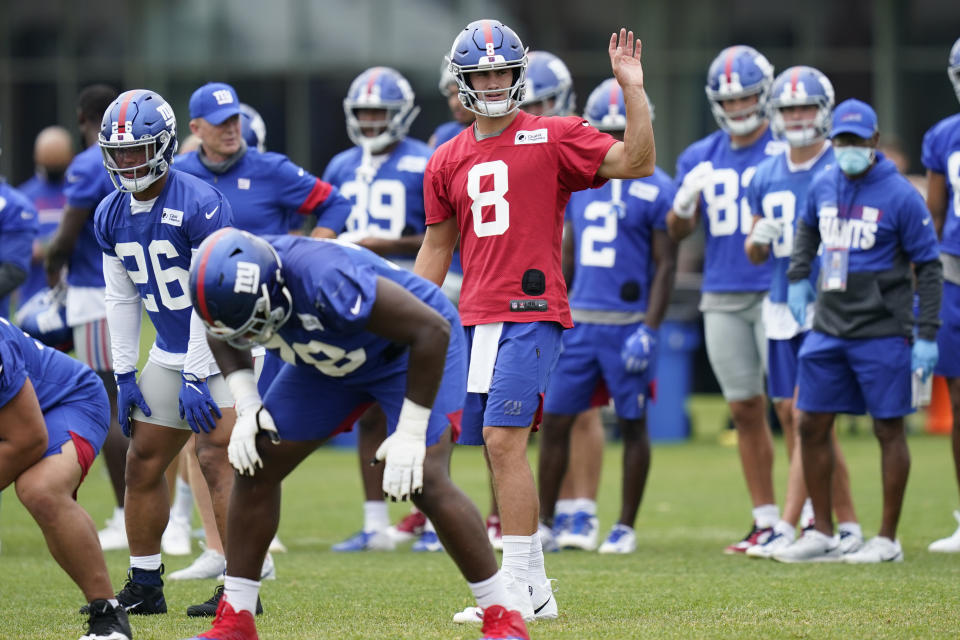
{"x":132,"y":606}
{"x":212,"y":211}
{"x":540,"y":608}
{"x":192,"y":386}
{"x":926,"y":221}
{"x":356,"y":307}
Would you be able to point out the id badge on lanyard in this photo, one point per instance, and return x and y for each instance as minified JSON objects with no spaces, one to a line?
{"x":836,"y":264}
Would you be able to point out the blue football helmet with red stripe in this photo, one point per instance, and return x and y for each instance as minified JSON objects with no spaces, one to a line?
{"x":237,"y":288}
{"x":379,"y":88}
{"x":738,"y":72}
{"x":606,"y":109}
{"x":548,"y":79}
{"x":252,"y":128}
{"x":953,"y":67}
{"x":799,"y":86}
{"x":484,"y":45}
{"x":139,"y":126}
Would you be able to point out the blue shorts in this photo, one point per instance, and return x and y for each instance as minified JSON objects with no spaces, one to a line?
{"x":308,"y":405}
{"x":865,"y":375}
{"x":782,"y":366}
{"x":590,"y":353}
{"x":948,"y":337}
{"x":87,"y":415}
{"x":526,"y":354}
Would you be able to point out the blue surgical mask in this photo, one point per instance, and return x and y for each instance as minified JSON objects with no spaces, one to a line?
{"x":854,"y":160}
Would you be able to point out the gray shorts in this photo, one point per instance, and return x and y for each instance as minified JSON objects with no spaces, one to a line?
{"x":737,"y":349}
{"x":161,"y":390}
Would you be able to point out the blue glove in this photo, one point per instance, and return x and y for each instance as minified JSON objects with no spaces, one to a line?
{"x":128,"y":395}
{"x":924,"y":357}
{"x":196,"y":403}
{"x":637,"y":352}
{"x":799,"y":295}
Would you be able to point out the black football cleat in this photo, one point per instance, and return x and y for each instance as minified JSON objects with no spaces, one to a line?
{"x":208,"y":609}
{"x":107,"y":622}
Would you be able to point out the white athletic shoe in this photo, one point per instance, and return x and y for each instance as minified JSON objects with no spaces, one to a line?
{"x":950,"y":544}
{"x":176,"y":538}
{"x":267,"y":572}
{"x":543,"y":601}
{"x":114,"y":536}
{"x":209,"y":564}
{"x":812,"y":546}
{"x":470,"y":615}
{"x":519,"y":593}
{"x":850,"y":542}
{"x":276,"y":546}
{"x":539,"y":602}
{"x":582,"y":533}
{"x":775,"y":543}
{"x":621,"y":539}
{"x":876,"y":550}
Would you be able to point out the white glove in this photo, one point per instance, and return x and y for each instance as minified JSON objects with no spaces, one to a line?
{"x":242,"y":450}
{"x":404,"y":452}
{"x":688,"y":195}
{"x":765,"y":231}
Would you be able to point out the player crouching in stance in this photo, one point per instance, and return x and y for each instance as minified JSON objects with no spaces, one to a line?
{"x":54,"y":417}
{"x":352,"y":330}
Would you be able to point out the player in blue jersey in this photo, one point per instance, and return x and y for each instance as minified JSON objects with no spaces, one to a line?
{"x":52,"y":153}
{"x":18,"y":230}
{"x":148,"y":230}
{"x":75,"y":248}
{"x":253,"y":128}
{"x":54,"y":416}
{"x":549,"y":88}
{"x":800,"y":104}
{"x":462,"y":117}
{"x":870,"y":224}
{"x":712,"y":177}
{"x":383,"y":177}
{"x":353,"y":329}
{"x":623,"y":270}
{"x":941,"y":157}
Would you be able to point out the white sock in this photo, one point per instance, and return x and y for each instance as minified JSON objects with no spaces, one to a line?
{"x":375,"y":516}
{"x":516,"y":556}
{"x":241,"y":593}
{"x":766,"y":515}
{"x":785,"y":529}
{"x":147,"y":563}
{"x":587,"y":505}
{"x":806,"y":514}
{"x":536,"y":572}
{"x":118,"y":515}
{"x":428,"y":526}
{"x":182,"y":508}
{"x":490,"y":592}
{"x":850,"y":527}
{"x":567,"y":506}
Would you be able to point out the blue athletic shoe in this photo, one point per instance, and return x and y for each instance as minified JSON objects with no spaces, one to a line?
{"x":428,"y":541}
{"x":366,"y":541}
{"x":582,"y":533}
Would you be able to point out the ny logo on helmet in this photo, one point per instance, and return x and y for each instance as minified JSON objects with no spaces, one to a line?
{"x":166,"y":112}
{"x":248,"y":278}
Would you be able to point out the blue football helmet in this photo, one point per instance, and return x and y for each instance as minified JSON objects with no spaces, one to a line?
{"x":138,"y":119}
{"x":446,"y":79}
{"x":548,"y":78}
{"x":252,"y":128}
{"x":44,"y":317}
{"x":953,"y":67}
{"x":739,"y":71}
{"x":485,"y":45}
{"x":379,"y":88}
{"x":237,"y":289}
{"x":606,"y":109}
{"x":799,"y":86}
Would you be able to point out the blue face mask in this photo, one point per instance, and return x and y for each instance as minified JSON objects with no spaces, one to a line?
{"x":854,"y":160}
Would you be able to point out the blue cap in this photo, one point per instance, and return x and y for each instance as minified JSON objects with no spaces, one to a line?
{"x":856,"y":117}
{"x":214,"y":102}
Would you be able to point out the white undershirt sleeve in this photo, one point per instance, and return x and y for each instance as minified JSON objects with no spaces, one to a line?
{"x":123,"y":315}
{"x":199,"y":359}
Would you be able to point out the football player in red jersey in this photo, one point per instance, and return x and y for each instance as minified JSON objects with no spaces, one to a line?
{"x":502,"y":186}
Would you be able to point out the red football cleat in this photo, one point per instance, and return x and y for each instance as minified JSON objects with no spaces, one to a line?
{"x":501,"y":624}
{"x":230,"y":625}
{"x":410,"y":527}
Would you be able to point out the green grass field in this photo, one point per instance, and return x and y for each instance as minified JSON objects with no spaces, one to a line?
{"x":677,"y":585}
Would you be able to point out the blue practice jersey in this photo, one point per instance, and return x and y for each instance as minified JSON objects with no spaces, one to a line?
{"x":388,"y":204}
{"x":878,"y":219}
{"x":447,"y":131}
{"x":156,"y":248}
{"x":780,"y":193}
{"x":88,"y":183}
{"x":56,"y":377}
{"x":263,"y":188}
{"x":613,"y":233}
{"x":334,"y":287}
{"x":726,"y":214}
{"x":941,"y":153}
{"x":18,"y":229}
{"x":48,"y":200}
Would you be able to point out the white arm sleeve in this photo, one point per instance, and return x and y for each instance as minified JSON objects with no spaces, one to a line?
{"x":199,"y":359}
{"x":123,"y":315}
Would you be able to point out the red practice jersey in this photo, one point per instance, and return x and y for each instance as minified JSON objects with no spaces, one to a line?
{"x":508,"y":194}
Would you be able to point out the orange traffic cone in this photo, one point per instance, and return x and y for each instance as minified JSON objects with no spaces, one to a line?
{"x":939,"y":413}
